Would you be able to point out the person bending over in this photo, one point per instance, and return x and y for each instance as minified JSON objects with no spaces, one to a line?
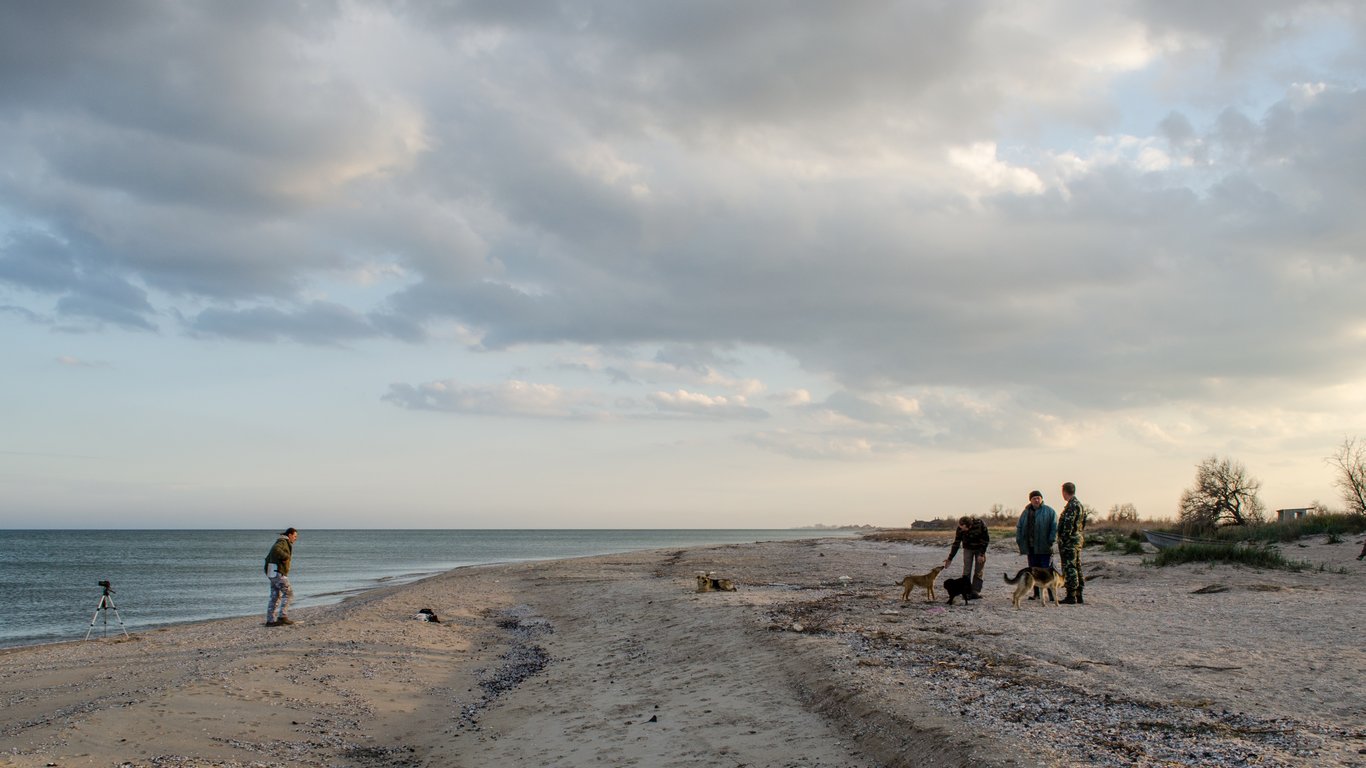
{"x":973,"y":537}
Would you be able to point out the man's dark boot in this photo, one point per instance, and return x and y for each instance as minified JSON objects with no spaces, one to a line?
{"x":1069,"y":600}
{"x":1079,"y":600}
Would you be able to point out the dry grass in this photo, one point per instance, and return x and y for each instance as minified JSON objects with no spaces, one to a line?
{"x":943,"y":530}
{"x":907,"y":535}
{"x":931,"y":536}
{"x":1254,"y":556}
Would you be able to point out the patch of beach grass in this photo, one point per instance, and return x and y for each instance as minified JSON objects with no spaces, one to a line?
{"x":1334,"y":524}
{"x":1238,"y":554}
{"x":1124,"y":544}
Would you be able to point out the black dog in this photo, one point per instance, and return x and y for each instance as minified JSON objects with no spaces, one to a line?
{"x":959,"y":586}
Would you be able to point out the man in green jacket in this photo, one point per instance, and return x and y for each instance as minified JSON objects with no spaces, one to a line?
{"x":277,"y":570}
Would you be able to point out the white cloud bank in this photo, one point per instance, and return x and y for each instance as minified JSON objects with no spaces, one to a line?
{"x":963,"y":224}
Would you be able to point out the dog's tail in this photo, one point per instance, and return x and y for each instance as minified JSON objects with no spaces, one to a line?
{"x":1018,"y":574}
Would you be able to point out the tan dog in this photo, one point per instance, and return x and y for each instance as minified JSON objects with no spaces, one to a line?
{"x":926,"y":581}
{"x":1028,"y":578}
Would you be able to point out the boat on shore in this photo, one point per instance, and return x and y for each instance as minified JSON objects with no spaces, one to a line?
{"x":1164,"y":540}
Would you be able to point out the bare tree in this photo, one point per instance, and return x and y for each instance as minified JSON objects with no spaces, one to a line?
{"x":999,"y":515}
{"x":1123,"y":513}
{"x":1224,"y":494}
{"x":1321,"y":509}
{"x":1350,"y":462}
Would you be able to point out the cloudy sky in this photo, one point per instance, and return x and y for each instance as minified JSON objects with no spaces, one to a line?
{"x":672,"y":264}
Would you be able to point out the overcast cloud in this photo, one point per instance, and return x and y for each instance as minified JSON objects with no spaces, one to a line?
{"x":969,"y":225}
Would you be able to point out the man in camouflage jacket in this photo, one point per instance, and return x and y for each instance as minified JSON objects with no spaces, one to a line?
{"x":1071,"y":530}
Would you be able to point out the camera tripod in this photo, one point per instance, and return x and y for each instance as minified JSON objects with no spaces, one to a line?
{"x":106,"y":605}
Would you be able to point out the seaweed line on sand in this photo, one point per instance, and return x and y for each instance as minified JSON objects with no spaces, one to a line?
{"x":523,"y":659}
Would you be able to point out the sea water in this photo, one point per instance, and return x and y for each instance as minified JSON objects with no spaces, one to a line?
{"x":49,"y":587}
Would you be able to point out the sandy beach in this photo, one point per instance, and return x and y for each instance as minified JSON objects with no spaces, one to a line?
{"x":813,"y":661}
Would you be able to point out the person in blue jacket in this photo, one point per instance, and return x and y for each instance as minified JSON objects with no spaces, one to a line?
{"x":1035,"y":533}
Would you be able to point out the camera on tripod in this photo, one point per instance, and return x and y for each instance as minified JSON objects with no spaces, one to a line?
{"x":102,"y":610}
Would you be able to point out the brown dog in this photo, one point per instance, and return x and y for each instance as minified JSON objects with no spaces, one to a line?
{"x":1043,"y":578}
{"x":707,"y":583}
{"x":925,"y":580}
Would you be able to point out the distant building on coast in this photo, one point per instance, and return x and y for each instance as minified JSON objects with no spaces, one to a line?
{"x":1294,"y":513}
{"x":933,"y":525}
{"x":824,"y":527}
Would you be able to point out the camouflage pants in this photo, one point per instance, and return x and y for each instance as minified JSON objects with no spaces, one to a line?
{"x":1070,"y":559}
{"x":281,"y":594}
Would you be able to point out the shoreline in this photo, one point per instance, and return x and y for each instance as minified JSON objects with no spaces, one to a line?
{"x":616,"y":660}
{"x":215,"y":574}
{"x":341,"y":597}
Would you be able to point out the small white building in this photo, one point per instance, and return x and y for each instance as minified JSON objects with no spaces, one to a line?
{"x":1295,"y":513}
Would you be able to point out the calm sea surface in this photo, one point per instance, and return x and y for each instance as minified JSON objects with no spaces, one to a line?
{"x":49,"y":590}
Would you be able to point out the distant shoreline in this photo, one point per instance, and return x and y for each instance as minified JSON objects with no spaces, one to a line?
{"x":331,"y":565}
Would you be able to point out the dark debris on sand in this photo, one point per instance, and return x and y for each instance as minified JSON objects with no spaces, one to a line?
{"x":524,"y":659}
